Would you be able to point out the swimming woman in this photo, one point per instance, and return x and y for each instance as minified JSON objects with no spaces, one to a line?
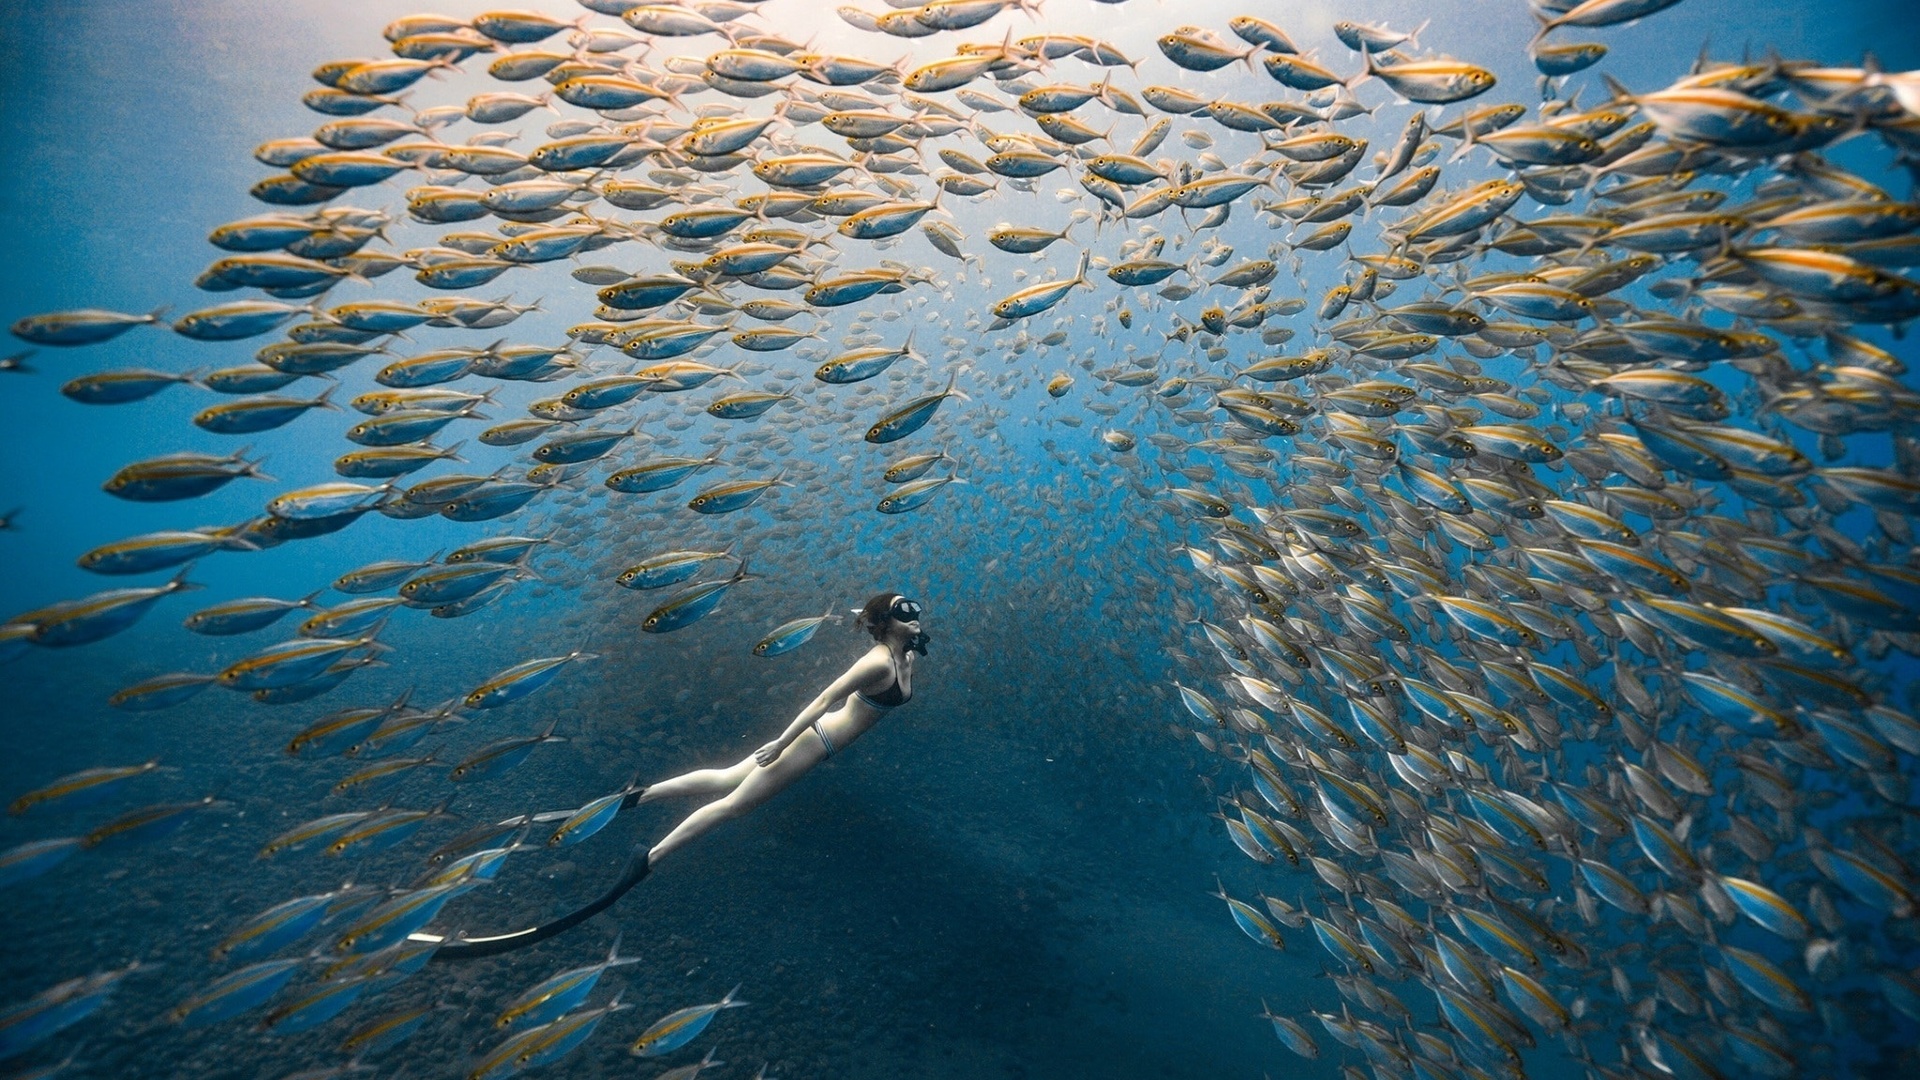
{"x":880,"y":681}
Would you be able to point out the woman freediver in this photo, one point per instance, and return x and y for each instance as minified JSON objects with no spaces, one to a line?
{"x":879,"y":681}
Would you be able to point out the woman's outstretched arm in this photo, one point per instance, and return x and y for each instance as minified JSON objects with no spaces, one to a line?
{"x":864,"y":671}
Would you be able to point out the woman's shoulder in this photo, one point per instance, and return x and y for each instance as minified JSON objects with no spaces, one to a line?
{"x":876,"y":659}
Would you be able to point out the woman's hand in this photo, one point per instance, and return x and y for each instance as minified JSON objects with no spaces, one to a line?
{"x":769,"y":753}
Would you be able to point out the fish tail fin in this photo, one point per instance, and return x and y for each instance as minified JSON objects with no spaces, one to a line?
{"x":1219,"y":888}
{"x":179,"y":582}
{"x":1468,"y":138}
{"x":1101,"y":95}
{"x":1086,"y":259}
{"x":325,"y":400}
{"x":158,"y":315}
{"x":1620,"y":94}
{"x":1546,"y":26}
{"x":1006,"y":42}
{"x":953,"y":379}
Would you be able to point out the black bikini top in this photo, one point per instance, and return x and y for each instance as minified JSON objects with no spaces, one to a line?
{"x":890,"y":698}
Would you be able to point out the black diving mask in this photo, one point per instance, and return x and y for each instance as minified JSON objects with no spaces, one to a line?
{"x":906,"y":611}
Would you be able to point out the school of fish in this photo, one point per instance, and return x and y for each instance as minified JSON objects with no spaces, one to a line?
{"x":1546,"y":598}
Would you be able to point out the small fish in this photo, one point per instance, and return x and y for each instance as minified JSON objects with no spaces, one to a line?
{"x":508,"y":1058}
{"x":484,"y":865}
{"x":381,"y":830}
{"x":58,"y":1007}
{"x":351,"y":619}
{"x":680,"y":1027}
{"x":179,"y":477}
{"x":255,"y":414}
{"x":391,"y":922}
{"x":160,"y":692}
{"x":657,"y":475}
{"x":377,"y":577}
{"x":862,"y":364}
{"x":24,"y":862}
{"x":1038,"y":298}
{"x":447,"y":583}
{"x":912,"y":467}
{"x":591,"y":818}
{"x":479,"y":837}
{"x":245,"y":615}
{"x":386,"y":1032}
{"x":122,"y":386}
{"x":692,"y":604}
{"x":791,"y":635}
{"x":561,"y":994}
{"x":561,"y":1036}
{"x":318,"y":1005}
{"x":668,"y":568}
{"x":502,"y":754}
{"x":337,"y":731}
{"x":914,"y":494}
{"x":519,"y":681}
{"x":278,"y":926}
{"x":87,"y":326}
{"x":398,"y":730}
{"x":235,"y":993}
{"x":91,"y":618}
{"x":314,"y":832}
{"x":379,"y":771}
{"x":734,"y":495}
{"x":147,"y":822}
{"x":912,"y":416}
{"x":290,"y":662}
{"x":83,"y":787}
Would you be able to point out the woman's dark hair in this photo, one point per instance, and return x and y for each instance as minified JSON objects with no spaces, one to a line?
{"x":874,"y":617}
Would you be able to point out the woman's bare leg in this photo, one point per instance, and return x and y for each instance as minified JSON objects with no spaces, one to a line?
{"x":700,"y":782}
{"x":760,"y":785}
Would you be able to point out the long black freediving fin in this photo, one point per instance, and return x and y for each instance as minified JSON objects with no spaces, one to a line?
{"x":474,"y":948}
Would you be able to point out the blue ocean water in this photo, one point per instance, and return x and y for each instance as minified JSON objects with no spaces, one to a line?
{"x":1010,"y":878}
